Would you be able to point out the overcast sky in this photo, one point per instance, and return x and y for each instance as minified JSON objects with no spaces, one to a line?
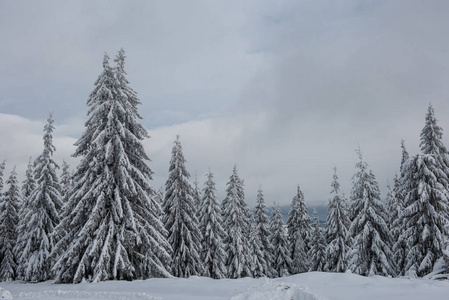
{"x":286,"y":90}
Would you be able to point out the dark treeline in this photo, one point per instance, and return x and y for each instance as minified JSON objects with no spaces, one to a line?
{"x":105,"y":221}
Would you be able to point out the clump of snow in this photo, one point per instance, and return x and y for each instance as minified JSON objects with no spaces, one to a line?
{"x":4,"y":294}
{"x":439,"y":270}
{"x":276,"y":290}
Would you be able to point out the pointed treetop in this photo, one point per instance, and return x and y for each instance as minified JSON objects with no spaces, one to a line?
{"x":49,"y":148}
{"x":120,"y":60}
{"x":405,"y":154}
{"x":2,"y":169}
{"x":105,"y":60}
{"x":359,"y":153}
{"x":431,"y":135}
{"x":335,"y":185}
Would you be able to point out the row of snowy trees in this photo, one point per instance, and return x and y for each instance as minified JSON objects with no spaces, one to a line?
{"x":105,"y":221}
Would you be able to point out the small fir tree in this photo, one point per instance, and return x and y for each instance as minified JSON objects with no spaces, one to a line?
{"x":259,"y":265}
{"x":236,"y":223}
{"x":336,"y":230}
{"x":9,"y":207}
{"x":282,"y":261}
{"x":395,"y":203}
{"x":262,"y":229}
{"x":2,"y":170}
{"x":370,"y":253}
{"x":298,"y":225}
{"x":180,"y":221}
{"x":35,"y":241}
{"x":317,"y":251}
{"x":213,"y":254}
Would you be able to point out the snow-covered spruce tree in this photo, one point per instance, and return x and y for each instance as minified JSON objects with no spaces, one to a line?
{"x":196,"y":195}
{"x":40,"y":216}
{"x":262,"y":229}
{"x":298,"y":225}
{"x":236,"y":223}
{"x":395,"y":205}
{"x":29,"y":183}
{"x":66,"y":181}
{"x":212,"y":253}
{"x":109,"y":230}
{"x":317,"y":251}
{"x":425,"y":218}
{"x":281,"y":256}
{"x":180,"y":220}
{"x":159,"y":199}
{"x":259,"y":265}
{"x":336,"y":230}
{"x":2,"y":170}
{"x":370,"y":253}
{"x":9,"y":207}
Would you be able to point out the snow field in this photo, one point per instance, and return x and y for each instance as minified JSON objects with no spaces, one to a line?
{"x":306,"y":286}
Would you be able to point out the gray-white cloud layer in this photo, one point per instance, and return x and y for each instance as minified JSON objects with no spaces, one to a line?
{"x":284,"y":89}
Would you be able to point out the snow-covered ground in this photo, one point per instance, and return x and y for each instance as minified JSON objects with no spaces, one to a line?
{"x":309,"y":286}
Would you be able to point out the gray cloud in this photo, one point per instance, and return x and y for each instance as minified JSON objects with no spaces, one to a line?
{"x":284,"y":89}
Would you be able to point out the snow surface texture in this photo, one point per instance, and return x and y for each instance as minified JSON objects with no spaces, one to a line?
{"x":307,"y":286}
{"x":276,"y":290}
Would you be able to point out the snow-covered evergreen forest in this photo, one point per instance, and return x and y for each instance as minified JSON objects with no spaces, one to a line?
{"x":103,"y":220}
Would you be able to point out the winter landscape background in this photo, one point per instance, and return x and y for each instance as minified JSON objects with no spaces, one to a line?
{"x":261,"y":149}
{"x":260,"y":84}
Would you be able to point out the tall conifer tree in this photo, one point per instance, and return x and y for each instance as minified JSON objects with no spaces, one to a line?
{"x":425,"y":218}
{"x":109,"y":229}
